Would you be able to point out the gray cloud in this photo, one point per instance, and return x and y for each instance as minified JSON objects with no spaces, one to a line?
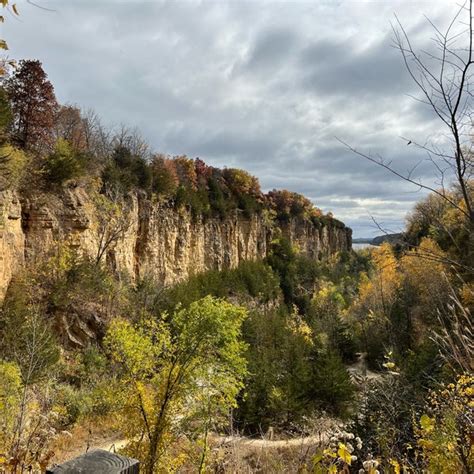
{"x":264,"y":86}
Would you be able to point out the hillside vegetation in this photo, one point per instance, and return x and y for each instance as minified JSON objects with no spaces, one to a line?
{"x":45,"y":145}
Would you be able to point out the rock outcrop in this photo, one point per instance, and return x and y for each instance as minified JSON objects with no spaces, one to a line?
{"x":159,"y":241}
{"x":12,"y":239}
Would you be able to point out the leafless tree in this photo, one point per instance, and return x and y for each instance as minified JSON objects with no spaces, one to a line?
{"x":35,"y":354}
{"x":443,"y":75}
{"x":131,"y":139}
{"x":113,"y":221}
{"x":97,"y":137}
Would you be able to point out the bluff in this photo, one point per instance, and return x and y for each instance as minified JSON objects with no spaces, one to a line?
{"x":158,"y":240}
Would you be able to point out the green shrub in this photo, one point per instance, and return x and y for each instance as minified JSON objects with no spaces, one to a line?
{"x":64,"y":163}
{"x":125,"y":172}
{"x":217,"y":199}
{"x":250,"y":279}
{"x":13,"y":163}
{"x":330,"y":384}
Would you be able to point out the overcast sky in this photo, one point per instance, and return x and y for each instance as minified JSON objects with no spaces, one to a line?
{"x":265,"y":86}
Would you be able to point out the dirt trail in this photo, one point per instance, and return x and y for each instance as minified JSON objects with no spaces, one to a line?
{"x":359,"y":370}
{"x":116,"y":445}
{"x":271,"y":443}
{"x":112,"y":445}
{"x":75,"y":446}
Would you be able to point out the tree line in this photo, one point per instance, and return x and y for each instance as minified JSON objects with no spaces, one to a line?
{"x":55,"y":144}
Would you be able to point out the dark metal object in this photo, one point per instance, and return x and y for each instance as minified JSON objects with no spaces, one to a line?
{"x":97,"y":461}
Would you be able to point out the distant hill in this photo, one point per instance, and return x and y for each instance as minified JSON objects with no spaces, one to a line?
{"x":362,"y":240}
{"x":380,"y":239}
{"x":390,"y":238}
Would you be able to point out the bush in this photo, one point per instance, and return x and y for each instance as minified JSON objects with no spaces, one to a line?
{"x":330,"y":384}
{"x":298,"y":274}
{"x":164,"y":177}
{"x":250,"y":279}
{"x":63,"y":164}
{"x":13,"y":163}
{"x":125,"y":171}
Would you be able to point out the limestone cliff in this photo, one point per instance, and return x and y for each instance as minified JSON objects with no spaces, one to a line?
{"x":12,"y":238}
{"x":158,"y":240}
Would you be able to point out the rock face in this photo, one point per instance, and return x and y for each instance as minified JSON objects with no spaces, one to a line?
{"x":12,"y":239}
{"x":159,"y":241}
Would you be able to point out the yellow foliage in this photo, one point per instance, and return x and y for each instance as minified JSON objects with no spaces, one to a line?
{"x":424,"y":270}
{"x":444,"y":435}
{"x":10,"y":387}
{"x":467,"y":295}
{"x":344,"y":453}
{"x":396,"y":466}
{"x":379,"y":292}
{"x":427,"y":424}
{"x":299,"y":327}
{"x":12,"y":166}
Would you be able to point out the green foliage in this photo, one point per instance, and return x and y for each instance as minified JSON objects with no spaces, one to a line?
{"x":192,"y":357}
{"x":217,"y":199}
{"x":292,"y":372}
{"x":5,"y":115}
{"x":330,"y":384}
{"x":63,"y":163}
{"x":125,"y":171}
{"x":13,"y":163}
{"x":266,"y":336}
{"x":444,"y":433}
{"x":298,"y":274}
{"x":10,"y":395}
{"x":326,"y":316}
{"x":27,"y":340}
{"x":250,"y":279}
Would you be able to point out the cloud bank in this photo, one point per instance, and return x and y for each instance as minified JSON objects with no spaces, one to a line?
{"x":266,"y":86}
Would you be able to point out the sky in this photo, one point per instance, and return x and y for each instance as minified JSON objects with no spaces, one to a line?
{"x":270,"y":87}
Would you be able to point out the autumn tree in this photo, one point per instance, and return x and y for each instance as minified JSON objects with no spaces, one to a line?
{"x":186,"y":367}
{"x":33,"y":105}
{"x":378,"y":297}
{"x":164,"y":176}
{"x":69,"y":125}
{"x":435,"y":218}
{"x":241,"y":182}
{"x":290,"y":204}
{"x":12,"y":160}
{"x":203,"y":172}
{"x":186,"y":172}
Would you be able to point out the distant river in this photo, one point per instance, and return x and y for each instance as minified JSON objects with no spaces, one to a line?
{"x":361,"y":246}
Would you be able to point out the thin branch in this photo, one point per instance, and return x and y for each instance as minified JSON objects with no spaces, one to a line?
{"x":387,"y":166}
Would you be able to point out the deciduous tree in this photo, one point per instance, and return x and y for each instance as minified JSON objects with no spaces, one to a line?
{"x":33,"y":104}
{"x":186,"y":366}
